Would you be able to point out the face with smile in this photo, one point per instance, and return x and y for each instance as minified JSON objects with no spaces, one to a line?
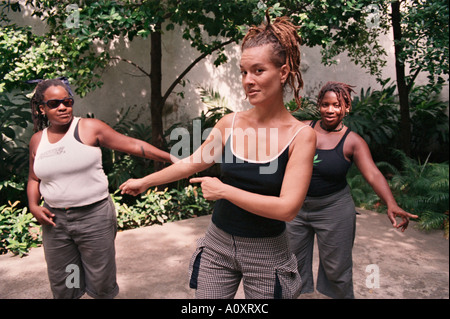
{"x":332,"y":111}
{"x":61,"y":115}
{"x":261,"y":79}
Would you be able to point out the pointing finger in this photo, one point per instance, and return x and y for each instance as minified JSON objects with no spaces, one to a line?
{"x":196,"y":180}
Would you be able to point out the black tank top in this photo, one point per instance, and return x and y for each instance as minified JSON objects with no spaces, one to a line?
{"x":252,"y":177}
{"x":329,"y":170}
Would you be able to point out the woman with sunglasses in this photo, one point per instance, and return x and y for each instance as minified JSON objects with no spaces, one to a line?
{"x":78,"y":216}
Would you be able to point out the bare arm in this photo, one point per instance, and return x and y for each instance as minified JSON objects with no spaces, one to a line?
{"x":95,"y":132}
{"x":293,"y":191}
{"x":197,"y":162}
{"x":363,"y":160}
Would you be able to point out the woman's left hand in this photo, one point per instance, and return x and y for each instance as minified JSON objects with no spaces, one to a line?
{"x":395,"y":212}
{"x":133,"y":187}
{"x":212,"y":187}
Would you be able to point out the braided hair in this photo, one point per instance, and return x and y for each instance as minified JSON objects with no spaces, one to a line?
{"x":40,"y":121}
{"x":283,"y":37}
{"x":343,"y":92}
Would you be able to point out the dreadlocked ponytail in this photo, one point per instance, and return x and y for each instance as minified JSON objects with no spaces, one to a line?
{"x":282,"y":35}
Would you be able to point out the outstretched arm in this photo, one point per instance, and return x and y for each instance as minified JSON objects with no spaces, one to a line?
{"x":363,"y":160}
{"x":96,"y":132}
{"x":197,"y":162}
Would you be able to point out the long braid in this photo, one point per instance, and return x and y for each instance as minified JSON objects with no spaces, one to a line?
{"x":40,"y":121}
{"x":343,"y":92}
{"x":285,"y":41}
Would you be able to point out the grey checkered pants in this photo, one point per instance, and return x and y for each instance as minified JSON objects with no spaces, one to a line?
{"x":266,"y":266}
{"x":81,"y":246}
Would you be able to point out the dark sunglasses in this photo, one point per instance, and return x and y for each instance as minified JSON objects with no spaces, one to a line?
{"x":53,"y":104}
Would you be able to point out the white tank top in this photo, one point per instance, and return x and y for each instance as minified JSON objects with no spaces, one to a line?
{"x":71,"y":172}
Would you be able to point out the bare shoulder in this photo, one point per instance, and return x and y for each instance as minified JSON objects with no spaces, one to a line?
{"x":355,"y":145}
{"x":91,"y":123}
{"x":225,"y":122}
{"x":355,"y":140}
{"x":305,"y":136}
{"x":303,"y":127}
{"x":35,"y":140}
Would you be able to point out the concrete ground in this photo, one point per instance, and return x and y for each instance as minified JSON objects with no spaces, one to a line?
{"x":152,"y":263}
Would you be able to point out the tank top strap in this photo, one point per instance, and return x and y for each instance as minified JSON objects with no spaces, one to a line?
{"x":341,"y":142}
{"x":295,"y":134}
{"x":232,"y":123}
{"x":44,"y":137}
{"x":278,"y":155}
{"x":73,"y":125}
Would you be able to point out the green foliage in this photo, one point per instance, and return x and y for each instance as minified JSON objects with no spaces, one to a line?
{"x":14,"y":113}
{"x":25,"y":56}
{"x":78,"y":34}
{"x":308,"y":111}
{"x":423,"y":189}
{"x":429,"y":120}
{"x":375,"y":116}
{"x":14,"y":116}
{"x":337,"y":26}
{"x":19,"y":231}
{"x":159,"y":207}
{"x":425,"y":41}
{"x":363,"y":195}
{"x":217,"y":107}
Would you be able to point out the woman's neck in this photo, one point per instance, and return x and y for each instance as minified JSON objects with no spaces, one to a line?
{"x":268,"y":113}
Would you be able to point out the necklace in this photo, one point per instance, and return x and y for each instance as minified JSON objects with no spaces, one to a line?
{"x":331,"y":130}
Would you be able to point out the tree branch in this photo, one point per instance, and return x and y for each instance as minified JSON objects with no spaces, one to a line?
{"x":412,"y":79}
{"x":132,"y":63}
{"x":180,"y":77}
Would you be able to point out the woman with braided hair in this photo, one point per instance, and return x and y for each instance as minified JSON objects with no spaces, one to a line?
{"x":328,"y":210}
{"x":266,"y":158}
{"x":78,"y":216}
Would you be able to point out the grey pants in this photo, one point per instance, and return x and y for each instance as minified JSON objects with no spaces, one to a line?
{"x":332,"y":219}
{"x":80,"y":251}
{"x":266,"y":266}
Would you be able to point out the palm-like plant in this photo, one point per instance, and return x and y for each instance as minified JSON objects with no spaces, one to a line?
{"x":429,"y":120}
{"x":421,"y":189}
{"x":374,"y":116}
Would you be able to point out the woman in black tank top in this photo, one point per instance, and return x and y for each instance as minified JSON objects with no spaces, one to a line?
{"x":257,"y":192}
{"x":328,"y":210}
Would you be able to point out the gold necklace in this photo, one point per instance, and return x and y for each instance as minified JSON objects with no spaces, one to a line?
{"x":331,"y":130}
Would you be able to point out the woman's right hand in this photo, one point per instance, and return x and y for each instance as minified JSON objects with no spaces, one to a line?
{"x":43,"y":215}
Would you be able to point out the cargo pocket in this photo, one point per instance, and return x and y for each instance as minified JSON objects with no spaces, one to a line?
{"x":288,"y":283}
{"x":194,"y":264}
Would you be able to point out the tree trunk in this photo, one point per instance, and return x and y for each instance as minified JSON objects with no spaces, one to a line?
{"x":156,"y":99}
{"x":405,"y":121}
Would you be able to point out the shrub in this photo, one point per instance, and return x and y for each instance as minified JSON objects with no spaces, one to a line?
{"x":19,"y":231}
{"x":158,"y":207}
